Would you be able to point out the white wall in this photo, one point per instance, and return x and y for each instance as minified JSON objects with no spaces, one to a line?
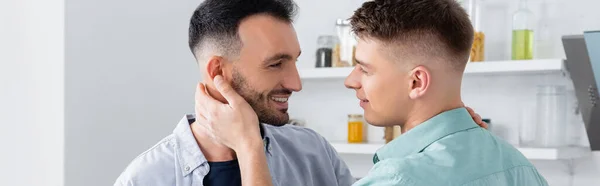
{"x":31,"y":92}
{"x":129,"y":79}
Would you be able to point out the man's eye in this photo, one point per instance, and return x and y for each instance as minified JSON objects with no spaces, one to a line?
{"x":276,"y":65}
{"x":363,"y":70}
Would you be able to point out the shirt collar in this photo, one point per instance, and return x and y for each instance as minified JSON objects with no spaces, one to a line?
{"x":187,"y":146}
{"x":426,"y":133}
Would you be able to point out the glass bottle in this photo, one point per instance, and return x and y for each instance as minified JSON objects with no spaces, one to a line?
{"x":522,"y":34}
{"x":544,"y":49}
{"x":355,"y":128}
{"x":473,"y":8}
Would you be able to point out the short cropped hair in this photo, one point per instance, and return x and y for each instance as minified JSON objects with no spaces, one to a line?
{"x":214,"y":24}
{"x":435,"y":27}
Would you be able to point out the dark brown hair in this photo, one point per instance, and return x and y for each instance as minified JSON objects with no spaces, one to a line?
{"x":431,"y":26}
{"x":215,"y":22}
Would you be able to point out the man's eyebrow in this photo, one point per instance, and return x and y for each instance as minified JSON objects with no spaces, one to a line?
{"x":362,"y":63}
{"x":280,"y":56}
{"x":277,"y":57}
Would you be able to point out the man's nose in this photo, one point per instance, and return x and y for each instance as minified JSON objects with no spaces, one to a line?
{"x":292,"y":80}
{"x":353,"y":80}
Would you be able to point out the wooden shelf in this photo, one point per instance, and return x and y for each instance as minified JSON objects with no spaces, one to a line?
{"x":475,"y":68}
{"x":530,"y":153}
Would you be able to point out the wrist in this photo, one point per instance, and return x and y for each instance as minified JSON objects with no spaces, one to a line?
{"x":251,"y":140}
{"x":250,"y":145}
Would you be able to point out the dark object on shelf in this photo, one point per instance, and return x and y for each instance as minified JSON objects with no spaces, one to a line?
{"x":325,"y":45}
{"x":324,"y":57}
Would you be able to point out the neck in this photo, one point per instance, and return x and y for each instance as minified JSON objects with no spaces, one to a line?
{"x":212,"y":150}
{"x":425,"y":111}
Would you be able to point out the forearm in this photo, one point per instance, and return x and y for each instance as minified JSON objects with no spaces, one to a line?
{"x":253,"y":166}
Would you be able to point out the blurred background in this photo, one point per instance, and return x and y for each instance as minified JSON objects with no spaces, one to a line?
{"x":87,"y":85}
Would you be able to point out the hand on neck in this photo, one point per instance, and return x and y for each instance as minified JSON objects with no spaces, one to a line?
{"x":212,"y":150}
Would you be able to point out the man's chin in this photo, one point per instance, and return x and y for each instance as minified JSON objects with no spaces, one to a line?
{"x":372,"y":120}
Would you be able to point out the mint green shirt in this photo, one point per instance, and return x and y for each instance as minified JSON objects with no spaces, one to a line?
{"x":451,"y":149}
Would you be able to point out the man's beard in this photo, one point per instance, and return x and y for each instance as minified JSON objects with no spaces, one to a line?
{"x":260,"y":101}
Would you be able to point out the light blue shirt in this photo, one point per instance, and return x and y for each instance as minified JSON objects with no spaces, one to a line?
{"x":296,"y":156}
{"x":450,"y":149}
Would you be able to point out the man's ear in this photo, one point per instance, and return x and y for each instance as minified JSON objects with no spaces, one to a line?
{"x":420,"y":80}
{"x":214,"y":66}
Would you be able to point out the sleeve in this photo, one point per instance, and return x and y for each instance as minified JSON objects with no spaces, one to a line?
{"x":342,"y":173}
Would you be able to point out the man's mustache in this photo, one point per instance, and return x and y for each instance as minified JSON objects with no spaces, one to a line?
{"x":281,"y":91}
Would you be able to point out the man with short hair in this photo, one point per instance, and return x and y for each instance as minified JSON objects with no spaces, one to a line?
{"x":253,"y":45}
{"x":411,"y":56}
{"x":421,"y":47}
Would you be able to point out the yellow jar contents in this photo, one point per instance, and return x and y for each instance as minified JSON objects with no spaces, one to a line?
{"x":478,"y":50}
{"x":355,"y":128}
{"x":522,"y":44}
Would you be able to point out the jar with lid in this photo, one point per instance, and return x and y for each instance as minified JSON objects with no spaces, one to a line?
{"x":356,"y":127}
{"x":473,"y":8}
{"x":347,"y":44}
{"x":325,"y":45}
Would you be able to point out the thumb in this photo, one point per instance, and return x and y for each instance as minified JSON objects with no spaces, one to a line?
{"x":226,"y":90}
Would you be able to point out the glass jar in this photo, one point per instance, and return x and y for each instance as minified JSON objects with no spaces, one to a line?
{"x":347,"y":43}
{"x":551,"y":115}
{"x":473,"y":8}
{"x":325,"y":45}
{"x":356,"y":126}
{"x":527,"y":126}
{"x":391,"y":133}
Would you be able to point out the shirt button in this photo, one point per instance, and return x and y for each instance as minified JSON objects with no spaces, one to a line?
{"x":187,"y":168}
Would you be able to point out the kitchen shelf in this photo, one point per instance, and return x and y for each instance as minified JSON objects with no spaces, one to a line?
{"x":531,"y":153}
{"x":488,"y":67}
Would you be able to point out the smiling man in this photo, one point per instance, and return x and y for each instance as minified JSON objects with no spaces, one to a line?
{"x":253,"y":45}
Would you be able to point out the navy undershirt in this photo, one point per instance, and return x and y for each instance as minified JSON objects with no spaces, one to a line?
{"x":225,"y":173}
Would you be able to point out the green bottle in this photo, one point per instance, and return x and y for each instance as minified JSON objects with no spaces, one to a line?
{"x":522,"y":34}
